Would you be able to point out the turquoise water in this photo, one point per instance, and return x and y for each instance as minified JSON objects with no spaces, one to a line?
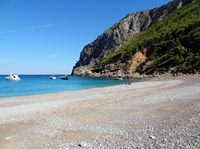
{"x":39,"y":84}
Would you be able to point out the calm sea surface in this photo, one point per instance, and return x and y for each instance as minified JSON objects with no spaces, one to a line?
{"x":39,"y":84}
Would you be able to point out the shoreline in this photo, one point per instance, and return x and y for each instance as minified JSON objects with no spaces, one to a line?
{"x":66,"y":91}
{"x":129,"y":81}
{"x":58,"y":89}
{"x":127,"y":116}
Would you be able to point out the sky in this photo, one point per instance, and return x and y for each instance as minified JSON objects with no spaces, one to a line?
{"x":47,"y":36}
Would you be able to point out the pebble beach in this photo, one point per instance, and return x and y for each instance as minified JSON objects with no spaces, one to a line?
{"x":158,"y":113}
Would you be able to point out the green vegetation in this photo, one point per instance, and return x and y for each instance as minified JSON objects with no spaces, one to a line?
{"x":174,"y":41}
{"x":173,"y":58}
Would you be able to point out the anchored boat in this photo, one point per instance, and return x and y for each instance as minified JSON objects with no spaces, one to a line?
{"x":14,"y":77}
{"x":52,"y":77}
{"x":65,"y":77}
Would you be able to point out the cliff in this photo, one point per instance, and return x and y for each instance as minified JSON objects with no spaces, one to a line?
{"x":114,"y":53}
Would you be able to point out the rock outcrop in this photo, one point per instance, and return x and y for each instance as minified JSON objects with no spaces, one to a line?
{"x":119,"y":33}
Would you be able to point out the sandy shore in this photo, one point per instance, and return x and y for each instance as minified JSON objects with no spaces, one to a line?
{"x":150,"y":114}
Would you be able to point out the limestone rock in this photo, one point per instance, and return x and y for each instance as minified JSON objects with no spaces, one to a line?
{"x":120,"y":32}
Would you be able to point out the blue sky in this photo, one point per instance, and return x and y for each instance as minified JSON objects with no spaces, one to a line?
{"x":47,"y":36}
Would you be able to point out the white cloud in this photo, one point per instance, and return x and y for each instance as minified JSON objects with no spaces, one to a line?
{"x":27,"y":28}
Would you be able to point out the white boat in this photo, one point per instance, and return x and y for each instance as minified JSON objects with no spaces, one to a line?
{"x":13,"y":76}
{"x":52,"y":77}
{"x":118,"y":78}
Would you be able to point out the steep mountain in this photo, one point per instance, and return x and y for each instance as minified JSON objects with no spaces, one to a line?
{"x":158,"y":40}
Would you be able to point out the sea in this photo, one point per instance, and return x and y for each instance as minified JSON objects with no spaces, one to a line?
{"x":41,"y":84}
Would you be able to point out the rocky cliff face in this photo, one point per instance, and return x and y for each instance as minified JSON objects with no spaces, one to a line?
{"x":119,"y":33}
{"x":115,"y":36}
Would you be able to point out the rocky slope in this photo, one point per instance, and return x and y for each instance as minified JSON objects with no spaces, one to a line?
{"x":115,"y":38}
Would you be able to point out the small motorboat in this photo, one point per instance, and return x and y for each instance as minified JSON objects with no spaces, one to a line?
{"x":118,"y":78}
{"x":52,"y":77}
{"x":65,"y":77}
{"x":14,"y":77}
